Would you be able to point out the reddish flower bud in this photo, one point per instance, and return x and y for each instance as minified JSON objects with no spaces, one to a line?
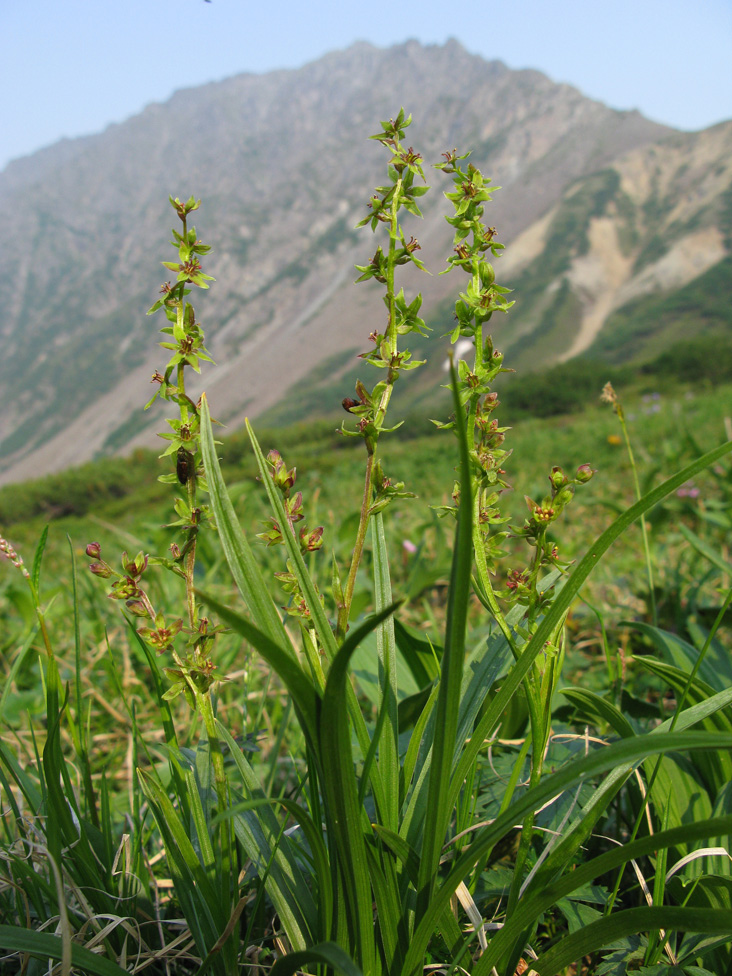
{"x":94,"y":550}
{"x":584,"y":473}
{"x":101,"y":569}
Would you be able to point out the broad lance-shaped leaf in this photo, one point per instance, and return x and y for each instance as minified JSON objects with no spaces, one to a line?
{"x":244,"y":568}
{"x":578,"y":771}
{"x":42,"y":945}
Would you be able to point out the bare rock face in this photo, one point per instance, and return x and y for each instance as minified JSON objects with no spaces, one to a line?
{"x":639,"y":237}
{"x":601,"y":207}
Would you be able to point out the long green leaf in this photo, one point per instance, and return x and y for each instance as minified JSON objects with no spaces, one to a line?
{"x":342,"y":804}
{"x":386,"y":649}
{"x":41,"y":945}
{"x":562,"y":603}
{"x":576,"y":833}
{"x":447,"y":709}
{"x":577,"y":771}
{"x":601,"y":933}
{"x":448,"y":924}
{"x":202,"y":908}
{"x":327,"y":953}
{"x":244,"y":568}
{"x":382,"y":870}
{"x":533,"y":907}
{"x":313,"y":835}
{"x":292,"y":546}
{"x":260,"y":835}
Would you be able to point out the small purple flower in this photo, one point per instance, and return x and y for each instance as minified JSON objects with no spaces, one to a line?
{"x":689,"y":490}
{"x":409,"y":546}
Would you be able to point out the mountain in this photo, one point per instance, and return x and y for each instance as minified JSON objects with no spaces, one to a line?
{"x":604,"y":213}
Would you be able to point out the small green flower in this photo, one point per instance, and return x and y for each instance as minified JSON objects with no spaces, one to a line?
{"x":161,"y":636}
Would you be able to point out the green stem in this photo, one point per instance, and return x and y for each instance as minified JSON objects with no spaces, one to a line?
{"x":39,"y":615}
{"x":644,"y":530}
{"x":205,"y":708}
{"x":391,"y":330}
{"x":345,"y":610}
{"x":391,"y":337}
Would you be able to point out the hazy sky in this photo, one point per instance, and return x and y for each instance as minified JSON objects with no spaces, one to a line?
{"x":70,"y":67}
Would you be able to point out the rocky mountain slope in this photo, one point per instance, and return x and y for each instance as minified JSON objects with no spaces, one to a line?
{"x":602,"y":211}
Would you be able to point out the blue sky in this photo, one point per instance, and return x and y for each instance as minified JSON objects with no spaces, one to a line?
{"x":70,"y":67}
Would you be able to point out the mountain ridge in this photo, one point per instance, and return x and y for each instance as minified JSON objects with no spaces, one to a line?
{"x":284,"y":168}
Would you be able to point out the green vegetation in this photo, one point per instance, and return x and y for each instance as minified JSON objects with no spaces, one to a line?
{"x":336,"y":730}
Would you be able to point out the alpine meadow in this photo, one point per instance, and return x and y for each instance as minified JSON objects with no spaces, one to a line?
{"x":447,"y":689}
